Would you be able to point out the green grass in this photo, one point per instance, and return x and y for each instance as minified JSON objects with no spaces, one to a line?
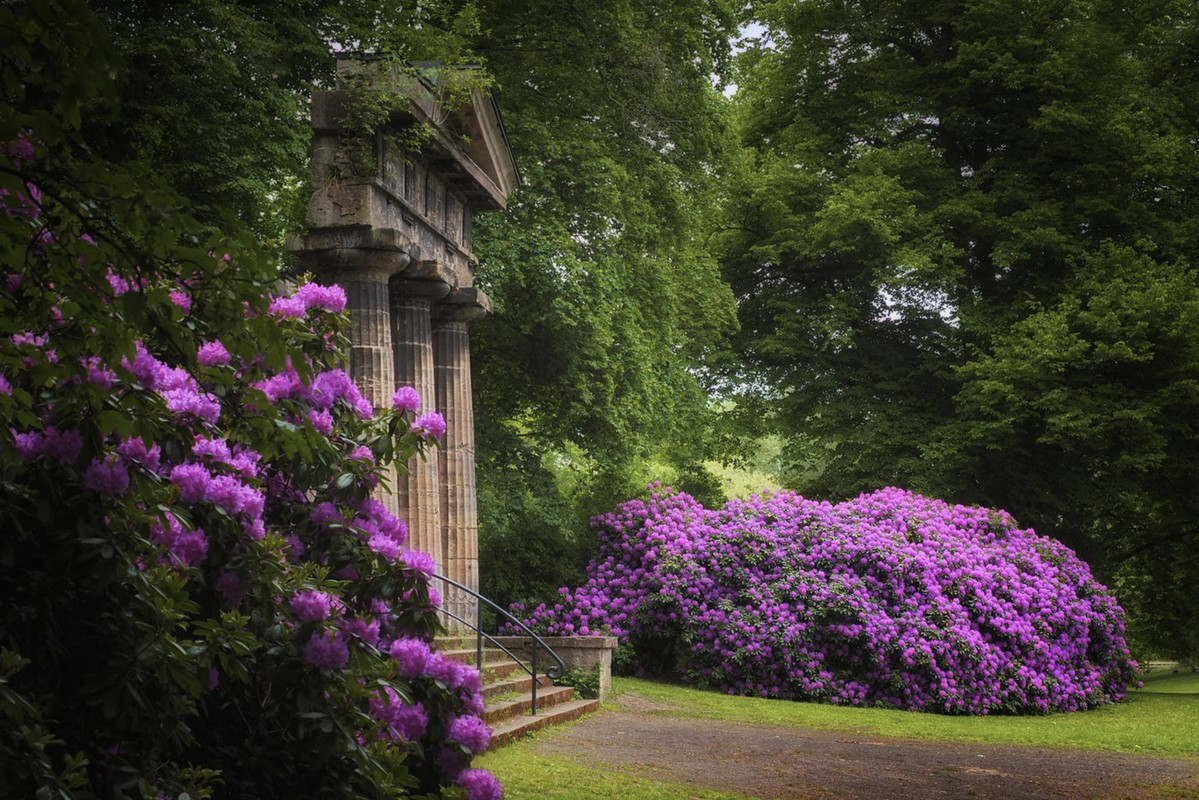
{"x":1162,"y":719}
{"x":1147,"y":722}
{"x":526,"y":776}
{"x":1171,"y":680}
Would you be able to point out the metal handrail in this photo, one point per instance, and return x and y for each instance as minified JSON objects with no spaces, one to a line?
{"x":553,"y":671}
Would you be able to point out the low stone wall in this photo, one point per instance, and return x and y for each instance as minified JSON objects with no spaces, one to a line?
{"x":584,"y":653}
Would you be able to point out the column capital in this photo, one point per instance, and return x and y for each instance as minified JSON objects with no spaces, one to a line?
{"x":428,"y":289}
{"x":463,"y":305}
{"x":351,"y":248}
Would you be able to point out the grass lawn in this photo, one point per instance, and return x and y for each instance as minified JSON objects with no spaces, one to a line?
{"x":1160,"y":719}
{"x":1172,"y":680}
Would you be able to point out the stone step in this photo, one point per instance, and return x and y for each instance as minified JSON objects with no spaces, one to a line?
{"x":547,"y":696}
{"x":507,"y":691}
{"x":517,"y":683}
{"x":513,"y":728}
{"x":502,"y":670}
{"x":469,"y":655}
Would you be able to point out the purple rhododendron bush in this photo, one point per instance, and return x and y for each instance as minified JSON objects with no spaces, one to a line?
{"x":200,"y":594}
{"x":890,"y":599}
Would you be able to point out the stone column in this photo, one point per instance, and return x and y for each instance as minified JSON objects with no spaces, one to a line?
{"x":418,"y":492}
{"x":362,"y":262}
{"x":459,"y":504}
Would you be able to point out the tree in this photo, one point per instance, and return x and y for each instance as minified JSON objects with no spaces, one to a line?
{"x":198,"y":595}
{"x":605,"y":292}
{"x":214,"y":93}
{"x":588,"y":381}
{"x":943,"y":195}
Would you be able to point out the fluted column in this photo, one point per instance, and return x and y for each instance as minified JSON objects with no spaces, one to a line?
{"x":362,"y":262}
{"x":418,"y":492}
{"x":372,"y":361}
{"x":459,"y":504}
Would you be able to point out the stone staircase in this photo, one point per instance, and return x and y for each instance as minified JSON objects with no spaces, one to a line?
{"x":507,"y":693}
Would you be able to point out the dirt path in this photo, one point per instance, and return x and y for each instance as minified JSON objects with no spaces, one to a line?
{"x":645,"y":739}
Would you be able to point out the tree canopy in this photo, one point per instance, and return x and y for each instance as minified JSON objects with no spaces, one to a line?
{"x":963,"y":255}
{"x":199,"y":595}
{"x":607,"y":293}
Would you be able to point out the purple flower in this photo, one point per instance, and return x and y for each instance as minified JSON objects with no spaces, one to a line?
{"x":116,"y":282}
{"x":134,"y":452}
{"x":192,"y":480}
{"x":329,"y":298}
{"x":383,"y":520}
{"x":480,"y":785}
{"x":107,"y":476}
{"x":326,"y":513}
{"x":230,"y":494}
{"x":188,"y":401}
{"x":310,"y":605}
{"x":418,"y":561}
{"x":321,"y":420}
{"x":187,"y":548}
{"x":410,"y":722}
{"x":183,"y":300}
{"x":446,"y":670}
{"x":330,"y":386}
{"x":412,"y":655}
{"x":384,"y":545}
{"x":5,"y":386}
{"x":286,"y":307}
{"x":406,"y":722}
{"x":326,"y":650}
{"x":29,"y":445}
{"x":406,"y":399}
{"x":281,"y":386}
{"x":61,"y":446}
{"x":254,"y":528}
{"x":955,"y":605}
{"x":211,"y":449}
{"x":145,"y":367}
{"x":245,"y":461}
{"x":19,"y":149}
{"x":362,"y":407}
{"x":429,"y":426}
{"x":97,"y":375}
{"x":190,"y":547}
{"x":213,"y":354}
{"x":362,"y":453}
{"x":471,"y":732}
{"x":365,"y":629}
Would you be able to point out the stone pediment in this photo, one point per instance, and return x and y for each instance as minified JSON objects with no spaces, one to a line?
{"x":421,"y":184}
{"x":469,"y":147}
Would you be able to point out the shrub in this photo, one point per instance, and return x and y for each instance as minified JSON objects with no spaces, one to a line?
{"x":199,"y":592}
{"x":890,"y":599}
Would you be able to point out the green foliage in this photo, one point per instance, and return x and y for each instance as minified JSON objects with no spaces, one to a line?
{"x":606,"y":294}
{"x":965,"y":265}
{"x":214,"y":93}
{"x":585,"y":681}
{"x":127,"y":669}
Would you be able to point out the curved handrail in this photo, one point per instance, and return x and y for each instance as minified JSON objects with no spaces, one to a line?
{"x":553,"y":671}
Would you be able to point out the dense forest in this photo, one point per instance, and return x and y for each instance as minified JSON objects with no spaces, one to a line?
{"x":944,"y":246}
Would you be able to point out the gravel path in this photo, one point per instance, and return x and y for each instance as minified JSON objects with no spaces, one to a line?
{"x":643,"y":738}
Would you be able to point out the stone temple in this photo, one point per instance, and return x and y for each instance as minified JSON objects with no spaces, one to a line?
{"x":390,"y":220}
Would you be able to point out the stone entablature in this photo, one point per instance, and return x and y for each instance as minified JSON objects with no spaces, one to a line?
{"x":394,"y":228}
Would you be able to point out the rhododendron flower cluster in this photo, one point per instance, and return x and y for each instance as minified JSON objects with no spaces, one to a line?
{"x":890,"y":599}
{"x":193,"y":534}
